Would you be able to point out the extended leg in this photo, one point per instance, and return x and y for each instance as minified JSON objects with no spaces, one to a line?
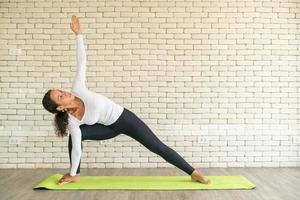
{"x":133,"y":126}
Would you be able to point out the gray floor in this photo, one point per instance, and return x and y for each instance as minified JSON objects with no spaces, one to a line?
{"x":271,"y":184}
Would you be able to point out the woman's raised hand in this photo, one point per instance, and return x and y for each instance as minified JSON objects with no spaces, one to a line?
{"x":75,"y":26}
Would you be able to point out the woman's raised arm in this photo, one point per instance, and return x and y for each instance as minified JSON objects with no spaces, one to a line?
{"x":79,"y":79}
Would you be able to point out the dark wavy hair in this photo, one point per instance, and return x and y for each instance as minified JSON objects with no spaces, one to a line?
{"x":61,"y":118}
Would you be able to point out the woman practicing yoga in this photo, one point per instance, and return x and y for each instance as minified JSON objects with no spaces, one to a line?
{"x":91,"y":116}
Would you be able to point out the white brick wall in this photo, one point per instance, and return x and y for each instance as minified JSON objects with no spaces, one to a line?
{"x":224,"y":71}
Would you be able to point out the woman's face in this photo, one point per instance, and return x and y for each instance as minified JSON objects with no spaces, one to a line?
{"x":61,"y":98}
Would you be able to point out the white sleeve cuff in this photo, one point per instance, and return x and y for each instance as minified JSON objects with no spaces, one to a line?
{"x":71,"y":174}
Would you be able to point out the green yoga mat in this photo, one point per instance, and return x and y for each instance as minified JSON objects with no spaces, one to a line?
{"x":145,"y":183}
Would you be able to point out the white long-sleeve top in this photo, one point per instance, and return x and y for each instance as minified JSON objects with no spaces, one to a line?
{"x":98,"y":108}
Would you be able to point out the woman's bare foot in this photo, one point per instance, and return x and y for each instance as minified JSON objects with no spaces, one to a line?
{"x":197,"y":176}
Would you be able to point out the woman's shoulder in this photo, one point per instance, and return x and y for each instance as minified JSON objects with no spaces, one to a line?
{"x":72,"y":122}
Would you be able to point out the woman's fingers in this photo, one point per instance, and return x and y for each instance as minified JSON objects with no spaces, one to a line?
{"x":75,"y":19}
{"x":61,"y":183}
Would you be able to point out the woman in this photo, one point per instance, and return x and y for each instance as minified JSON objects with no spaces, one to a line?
{"x":91,"y":116}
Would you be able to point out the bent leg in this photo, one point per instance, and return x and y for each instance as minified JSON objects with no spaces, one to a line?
{"x":92,"y":132}
{"x":97,"y":132}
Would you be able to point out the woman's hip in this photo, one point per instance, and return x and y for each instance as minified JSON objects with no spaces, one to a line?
{"x":127,"y":121}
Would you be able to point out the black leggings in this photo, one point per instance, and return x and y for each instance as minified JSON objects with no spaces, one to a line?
{"x":130,"y":124}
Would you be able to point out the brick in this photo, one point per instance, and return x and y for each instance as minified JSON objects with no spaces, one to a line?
{"x":177,"y":64}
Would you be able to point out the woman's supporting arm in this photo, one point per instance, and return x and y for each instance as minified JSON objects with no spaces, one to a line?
{"x":70,"y":146}
{"x":76,"y":148}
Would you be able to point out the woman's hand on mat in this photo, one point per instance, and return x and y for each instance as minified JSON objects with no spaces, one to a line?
{"x":67,"y":174}
{"x":67,"y":179}
{"x":75,"y":26}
